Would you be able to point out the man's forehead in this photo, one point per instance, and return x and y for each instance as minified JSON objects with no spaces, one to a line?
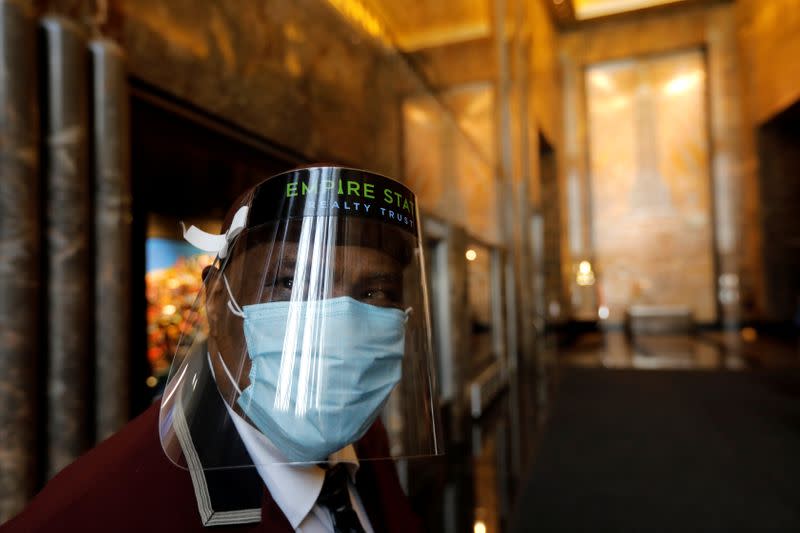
{"x":344,"y":255}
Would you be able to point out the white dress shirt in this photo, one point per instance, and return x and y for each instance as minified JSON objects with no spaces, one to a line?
{"x":295,"y":488}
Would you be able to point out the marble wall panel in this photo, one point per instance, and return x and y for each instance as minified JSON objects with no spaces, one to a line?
{"x":68,"y":235}
{"x":447,"y":157}
{"x":518,"y":278}
{"x":112,"y":236}
{"x":457,"y":243}
{"x":740,"y":269}
{"x":20,"y":257}
{"x":295,"y":72}
{"x":769,"y":40}
{"x":458,"y":63}
{"x":426,"y":151}
{"x":548,"y":154}
{"x":545,"y":76}
{"x":554,"y":302}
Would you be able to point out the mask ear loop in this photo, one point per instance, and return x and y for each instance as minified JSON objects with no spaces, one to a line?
{"x":233,"y":306}
{"x":228,"y":373}
{"x":408,"y":312}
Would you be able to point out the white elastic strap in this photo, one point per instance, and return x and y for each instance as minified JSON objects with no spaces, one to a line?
{"x":208,"y":242}
{"x":238,"y":223}
{"x":408,"y":312}
{"x":213,"y":243}
{"x":228,"y":373}
{"x":211,"y":366}
{"x":232,"y":304}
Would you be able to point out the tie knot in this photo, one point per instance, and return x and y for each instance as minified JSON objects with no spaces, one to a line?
{"x":336,"y":498}
{"x":334,"y":488}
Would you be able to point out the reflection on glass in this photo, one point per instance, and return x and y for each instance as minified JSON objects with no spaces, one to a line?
{"x":488,"y":462}
{"x":479,"y":294}
{"x":173,"y":279}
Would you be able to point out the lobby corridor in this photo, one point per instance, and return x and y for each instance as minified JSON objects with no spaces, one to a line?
{"x":524,"y":265}
{"x":672,"y":449}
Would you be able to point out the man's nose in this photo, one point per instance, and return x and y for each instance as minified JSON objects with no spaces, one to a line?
{"x":342,"y":289}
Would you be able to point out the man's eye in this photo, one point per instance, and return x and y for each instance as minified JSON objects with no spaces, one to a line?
{"x":286,"y":283}
{"x":382,"y":297}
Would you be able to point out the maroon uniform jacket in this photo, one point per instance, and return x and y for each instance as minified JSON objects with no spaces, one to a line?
{"x":127,"y":484}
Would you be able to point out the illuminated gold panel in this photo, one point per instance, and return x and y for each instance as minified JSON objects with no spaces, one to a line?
{"x":585,"y":9}
{"x":650,"y":183}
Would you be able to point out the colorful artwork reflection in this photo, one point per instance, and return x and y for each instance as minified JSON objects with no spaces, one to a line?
{"x":173,"y":280}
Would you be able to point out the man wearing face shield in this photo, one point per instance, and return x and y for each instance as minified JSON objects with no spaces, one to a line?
{"x":312,"y":319}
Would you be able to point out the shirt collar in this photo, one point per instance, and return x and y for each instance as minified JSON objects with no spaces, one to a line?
{"x":294,"y":488}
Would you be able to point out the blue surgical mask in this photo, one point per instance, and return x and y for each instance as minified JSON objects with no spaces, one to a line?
{"x":321,"y":371}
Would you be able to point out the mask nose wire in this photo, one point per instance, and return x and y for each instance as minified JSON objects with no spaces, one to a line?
{"x":232,"y":304}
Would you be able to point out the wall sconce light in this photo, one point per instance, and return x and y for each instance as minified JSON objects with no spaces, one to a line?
{"x":585,"y":276}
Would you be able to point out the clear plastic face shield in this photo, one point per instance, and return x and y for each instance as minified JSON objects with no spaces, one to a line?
{"x":311,"y":326}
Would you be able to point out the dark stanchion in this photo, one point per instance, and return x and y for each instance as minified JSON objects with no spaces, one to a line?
{"x":112,"y":240}
{"x":19,"y":255}
{"x":68,"y":231}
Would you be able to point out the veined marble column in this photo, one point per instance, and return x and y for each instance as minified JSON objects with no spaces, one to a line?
{"x":69,"y":293}
{"x":112,"y":235}
{"x":19,"y":255}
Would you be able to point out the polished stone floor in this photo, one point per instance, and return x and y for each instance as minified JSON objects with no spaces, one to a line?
{"x":732,"y":350}
{"x":480,"y":484}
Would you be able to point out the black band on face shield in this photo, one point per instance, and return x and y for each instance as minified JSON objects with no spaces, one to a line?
{"x":332,"y":191}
